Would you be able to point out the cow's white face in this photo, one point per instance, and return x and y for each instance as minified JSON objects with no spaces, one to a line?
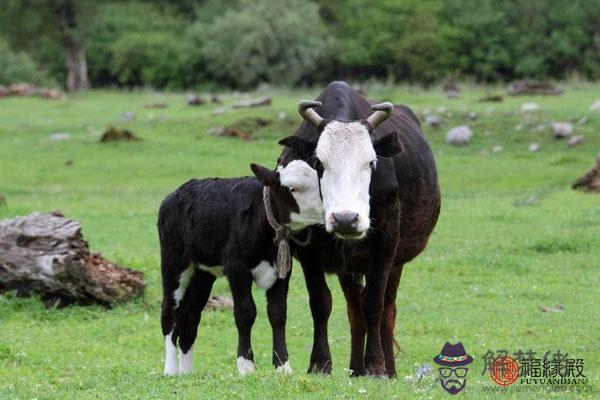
{"x":303,"y":183}
{"x":348,"y":157}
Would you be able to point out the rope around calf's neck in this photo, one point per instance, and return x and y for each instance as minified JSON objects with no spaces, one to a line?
{"x":283,"y":234}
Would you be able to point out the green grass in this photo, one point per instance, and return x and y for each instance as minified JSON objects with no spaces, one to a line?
{"x":512,"y":237}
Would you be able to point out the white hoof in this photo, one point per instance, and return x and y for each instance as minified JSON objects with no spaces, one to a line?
{"x":284,"y":369}
{"x":245,"y":366}
{"x":171,"y":367}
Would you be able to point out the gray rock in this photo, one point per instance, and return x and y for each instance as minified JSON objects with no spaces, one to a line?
{"x":459,"y":136}
{"x":575,"y":140}
{"x":128,"y":116}
{"x":562,"y":130}
{"x":595,"y":106}
{"x":497,"y":148}
{"x":533,"y":147}
{"x":432,"y":120}
{"x":58,"y":136}
{"x":529,"y":107}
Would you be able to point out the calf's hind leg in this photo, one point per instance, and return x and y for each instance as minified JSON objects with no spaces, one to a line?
{"x":187,"y":316}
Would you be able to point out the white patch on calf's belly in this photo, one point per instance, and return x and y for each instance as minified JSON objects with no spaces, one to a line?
{"x":184,"y":281}
{"x":264,"y":275}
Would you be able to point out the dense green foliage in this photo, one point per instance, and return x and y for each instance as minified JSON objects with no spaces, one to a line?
{"x":241,"y":43}
{"x":512,"y":237}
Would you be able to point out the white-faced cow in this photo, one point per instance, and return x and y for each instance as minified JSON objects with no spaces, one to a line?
{"x":214,"y":227}
{"x":381,"y":199}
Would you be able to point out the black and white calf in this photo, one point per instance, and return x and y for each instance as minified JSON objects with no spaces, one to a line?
{"x":214,"y":227}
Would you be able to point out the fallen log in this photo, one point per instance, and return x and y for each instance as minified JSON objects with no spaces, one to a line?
{"x":45,"y":253}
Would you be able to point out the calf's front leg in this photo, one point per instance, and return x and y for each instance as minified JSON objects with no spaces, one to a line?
{"x":277,"y":311}
{"x":244,"y":311}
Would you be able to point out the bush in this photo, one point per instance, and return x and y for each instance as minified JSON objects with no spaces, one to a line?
{"x":265,"y":40}
{"x":19,"y":67}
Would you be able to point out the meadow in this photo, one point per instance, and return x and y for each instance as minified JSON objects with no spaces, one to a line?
{"x":512,"y":239}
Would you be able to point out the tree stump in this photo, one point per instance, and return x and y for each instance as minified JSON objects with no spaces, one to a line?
{"x":45,"y":253}
{"x":591,"y":180}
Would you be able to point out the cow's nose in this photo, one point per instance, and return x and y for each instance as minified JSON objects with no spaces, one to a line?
{"x":344,"y":222}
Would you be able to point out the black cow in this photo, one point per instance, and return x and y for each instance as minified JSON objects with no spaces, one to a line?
{"x":215,"y":227}
{"x":381,"y":199}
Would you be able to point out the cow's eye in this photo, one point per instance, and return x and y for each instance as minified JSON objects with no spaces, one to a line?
{"x":292,"y":189}
{"x":373,"y":165}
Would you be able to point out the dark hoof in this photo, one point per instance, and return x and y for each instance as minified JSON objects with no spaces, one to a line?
{"x":357,"y":371}
{"x":377,"y":371}
{"x":323,"y":367}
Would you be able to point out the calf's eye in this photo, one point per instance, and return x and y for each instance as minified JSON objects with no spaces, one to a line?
{"x":292,"y":190}
{"x":373,"y":165}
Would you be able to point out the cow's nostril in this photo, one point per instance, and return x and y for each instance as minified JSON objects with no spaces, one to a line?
{"x":345,"y":221}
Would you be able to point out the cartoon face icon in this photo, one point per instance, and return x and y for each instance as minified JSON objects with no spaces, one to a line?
{"x":452,"y":361}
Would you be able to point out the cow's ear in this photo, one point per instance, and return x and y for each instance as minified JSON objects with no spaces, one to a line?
{"x":303,"y":146}
{"x":387,"y":145}
{"x":265,"y":175}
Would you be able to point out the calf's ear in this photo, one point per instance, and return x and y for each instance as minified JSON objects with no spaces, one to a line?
{"x":303,"y":146}
{"x":265,"y":175}
{"x":387,"y":145}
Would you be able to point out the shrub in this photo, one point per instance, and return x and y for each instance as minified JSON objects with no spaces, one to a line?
{"x":19,"y":67}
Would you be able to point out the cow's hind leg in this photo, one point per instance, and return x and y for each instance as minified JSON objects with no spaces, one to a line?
{"x":277,"y":311}
{"x":172,"y":267}
{"x":188,"y":314}
{"x":388,"y":320}
{"x":352,"y":287}
{"x":244,"y":311}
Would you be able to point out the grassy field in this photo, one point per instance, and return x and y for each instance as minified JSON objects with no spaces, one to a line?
{"x":512,"y":237}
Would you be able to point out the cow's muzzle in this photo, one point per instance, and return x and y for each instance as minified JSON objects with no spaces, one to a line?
{"x":345,"y":225}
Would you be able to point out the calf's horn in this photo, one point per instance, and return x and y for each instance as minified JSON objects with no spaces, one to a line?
{"x":382,"y":112}
{"x":310,"y":115}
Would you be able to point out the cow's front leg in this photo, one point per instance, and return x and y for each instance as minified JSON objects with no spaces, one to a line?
{"x":388,"y":321}
{"x":352,"y":287}
{"x":244,"y":311}
{"x":277,"y":311}
{"x":372,"y":305}
{"x":320,"y":307}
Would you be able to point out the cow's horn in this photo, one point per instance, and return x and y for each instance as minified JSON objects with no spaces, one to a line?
{"x":382,"y":112}
{"x":310,"y":115}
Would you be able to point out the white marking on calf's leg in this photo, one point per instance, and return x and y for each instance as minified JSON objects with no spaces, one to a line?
{"x":264,"y":275}
{"x":284,"y":369}
{"x":170,"y":356}
{"x":245,"y":366}
{"x":186,"y":361}
{"x":184,"y":281}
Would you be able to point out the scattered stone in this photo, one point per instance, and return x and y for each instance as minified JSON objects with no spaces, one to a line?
{"x":591,"y":180}
{"x":530,"y":87}
{"x":433,"y":120}
{"x":497,"y":148}
{"x":595,"y":106}
{"x":23,"y":89}
{"x":156,"y":105}
{"x":562,"y":130}
{"x":128,"y":116}
{"x":52,"y":94}
{"x":4,"y":91}
{"x":58,"y":136}
{"x":220,"y":110}
{"x":219,"y":303}
{"x":538,"y":128}
{"x":556,"y":308}
{"x":195,"y":100}
{"x":215,"y":99}
{"x":582,"y":121}
{"x":529,"y":107}
{"x":492,"y":98}
{"x":472,"y":115}
{"x":575,"y":140}
{"x":459,"y":136}
{"x":258,"y":102}
{"x":533,"y":147}
{"x":118,"y":135}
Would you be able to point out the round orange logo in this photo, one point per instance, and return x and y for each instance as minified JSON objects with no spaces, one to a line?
{"x":504,"y":371}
